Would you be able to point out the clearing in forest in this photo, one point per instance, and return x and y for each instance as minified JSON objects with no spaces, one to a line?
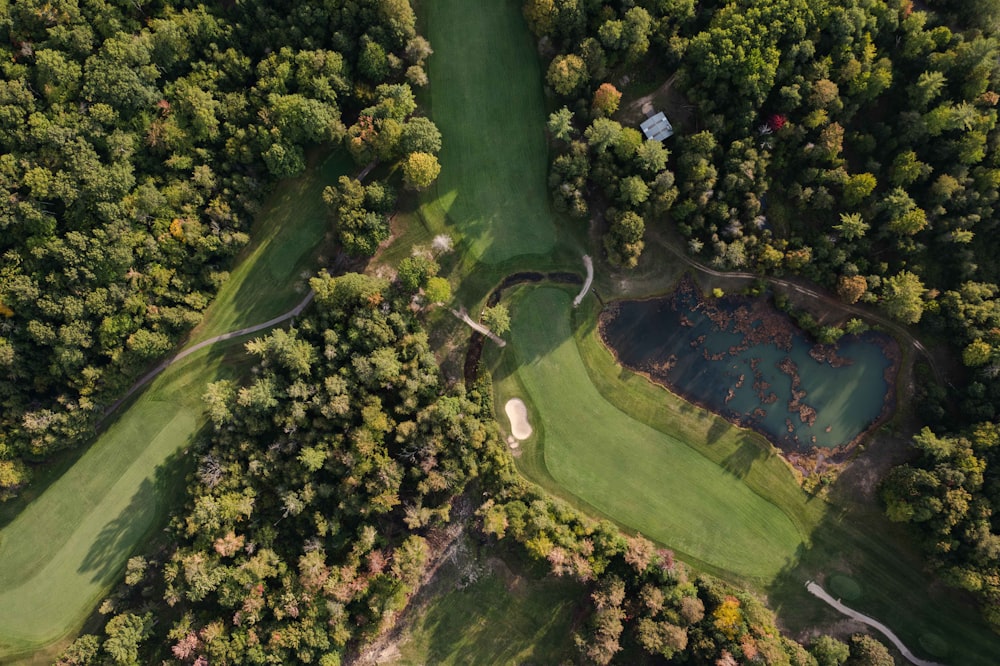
{"x":486,"y":98}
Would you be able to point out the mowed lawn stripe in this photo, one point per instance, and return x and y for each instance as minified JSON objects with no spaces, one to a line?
{"x":643,"y":478}
{"x":486,"y":98}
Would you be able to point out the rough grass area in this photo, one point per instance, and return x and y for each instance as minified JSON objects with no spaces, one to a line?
{"x":67,"y":546}
{"x":486,"y":98}
{"x":505,"y":616}
{"x":644,"y":478}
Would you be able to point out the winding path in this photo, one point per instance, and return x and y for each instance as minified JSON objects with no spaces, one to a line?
{"x":588,"y":262}
{"x":818,"y":591}
{"x":246,"y":330}
{"x":826,"y":298}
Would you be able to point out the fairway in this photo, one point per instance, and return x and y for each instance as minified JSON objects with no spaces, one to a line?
{"x":486,"y":98}
{"x":69,"y":545}
{"x":645,"y":479}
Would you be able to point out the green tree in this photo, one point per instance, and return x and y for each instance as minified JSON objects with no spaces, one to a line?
{"x":437,"y":290}
{"x":902,"y":297}
{"x":497,"y":318}
{"x":852,"y":226}
{"x":977,"y":353}
{"x":829,"y":651}
{"x":560,"y":124}
{"x":866,"y":651}
{"x":125,"y":633}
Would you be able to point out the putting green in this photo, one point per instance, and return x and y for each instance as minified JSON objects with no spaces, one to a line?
{"x":641,"y":477}
{"x":486,"y":98}
{"x":69,"y":545}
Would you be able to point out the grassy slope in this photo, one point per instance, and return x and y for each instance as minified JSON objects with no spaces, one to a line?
{"x":70,"y":543}
{"x":494,"y":157}
{"x":503,"y":617}
{"x":642,"y":477}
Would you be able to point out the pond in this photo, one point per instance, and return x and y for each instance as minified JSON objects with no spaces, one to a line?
{"x":748,"y":362}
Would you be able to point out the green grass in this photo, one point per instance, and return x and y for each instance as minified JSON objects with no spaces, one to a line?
{"x":501,"y":618}
{"x":486,"y":98}
{"x":644,"y":478}
{"x":270,"y":276}
{"x":66,"y":547}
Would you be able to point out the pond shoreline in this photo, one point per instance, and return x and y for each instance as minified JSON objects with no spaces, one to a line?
{"x":759,"y":322}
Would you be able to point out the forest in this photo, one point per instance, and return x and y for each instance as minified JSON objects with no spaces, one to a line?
{"x":137,"y":142}
{"x":852,"y":143}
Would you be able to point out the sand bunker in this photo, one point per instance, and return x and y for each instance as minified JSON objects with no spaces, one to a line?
{"x":517,"y":412}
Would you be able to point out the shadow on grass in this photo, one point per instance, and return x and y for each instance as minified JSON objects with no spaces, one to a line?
{"x":896,"y":589}
{"x":740,"y":462}
{"x":146,"y":511}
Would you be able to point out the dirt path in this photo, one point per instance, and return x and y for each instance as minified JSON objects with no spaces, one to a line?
{"x":818,"y":591}
{"x":184,"y":353}
{"x":588,"y":262}
{"x":464,"y":316}
{"x":832,"y":302}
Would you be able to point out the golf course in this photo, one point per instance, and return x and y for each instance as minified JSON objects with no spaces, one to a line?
{"x":62,"y":552}
{"x":604,"y":439}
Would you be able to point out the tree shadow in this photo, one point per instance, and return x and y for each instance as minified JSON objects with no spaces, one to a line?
{"x":720,"y":427}
{"x":741,"y":461}
{"x":145,"y":512}
{"x":885,"y":561}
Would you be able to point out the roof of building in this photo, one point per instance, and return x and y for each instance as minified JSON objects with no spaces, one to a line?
{"x":657,"y":127}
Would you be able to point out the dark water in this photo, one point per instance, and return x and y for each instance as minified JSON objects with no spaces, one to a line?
{"x":739,"y":357}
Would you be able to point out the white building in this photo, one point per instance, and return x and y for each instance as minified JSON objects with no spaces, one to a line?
{"x":657,"y":127}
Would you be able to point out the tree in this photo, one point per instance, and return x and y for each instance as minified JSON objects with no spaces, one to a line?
{"x":420,"y":170}
{"x":902,"y":297}
{"x":852,"y":226}
{"x":829,"y":651}
{"x":420,"y":135}
{"x":652,"y":157}
{"x":851,"y":288}
{"x":866,"y":651}
{"x":977,"y":353}
{"x":414,"y":272}
{"x":566,"y":73}
{"x":858,"y":187}
{"x":497,"y":318}
{"x":437,"y":290}
{"x":623,"y":242}
{"x":125,"y":633}
{"x":606,"y":100}
{"x":560,"y":124}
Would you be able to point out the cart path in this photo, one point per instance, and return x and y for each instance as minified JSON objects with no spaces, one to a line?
{"x":586,"y":284}
{"x":187,"y":351}
{"x":818,"y":591}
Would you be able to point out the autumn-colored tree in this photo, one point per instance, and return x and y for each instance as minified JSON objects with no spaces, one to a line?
{"x":606,"y":100}
{"x":566,"y":73}
{"x":851,"y":287}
